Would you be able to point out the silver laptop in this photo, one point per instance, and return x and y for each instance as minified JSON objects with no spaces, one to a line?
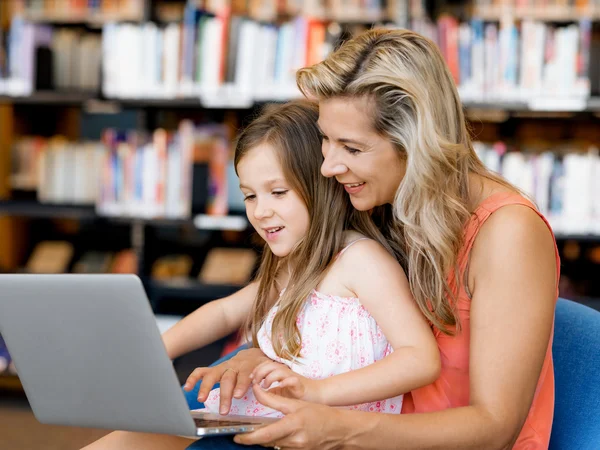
{"x":88,"y":352}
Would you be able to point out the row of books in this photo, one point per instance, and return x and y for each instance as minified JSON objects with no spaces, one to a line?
{"x":229,"y":266}
{"x":75,"y":10}
{"x":235,"y":61}
{"x":514,"y":61}
{"x":219,"y":58}
{"x":43,"y":57}
{"x":563,"y":181}
{"x":58,"y":256}
{"x":131,"y":173}
{"x":558,"y":9}
{"x":151,"y":176}
{"x":60,"y":171}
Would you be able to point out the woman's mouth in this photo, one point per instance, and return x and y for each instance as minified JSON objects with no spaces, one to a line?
{"x":354,"y":188}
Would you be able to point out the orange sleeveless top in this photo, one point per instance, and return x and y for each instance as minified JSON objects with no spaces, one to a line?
{"x":451,"y":389}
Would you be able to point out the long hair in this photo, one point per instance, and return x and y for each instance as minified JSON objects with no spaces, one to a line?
{"x":291,"y":130}
{"x":415,"y":105}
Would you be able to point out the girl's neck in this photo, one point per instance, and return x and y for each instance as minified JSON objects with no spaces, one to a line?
{"x":283,"y":275}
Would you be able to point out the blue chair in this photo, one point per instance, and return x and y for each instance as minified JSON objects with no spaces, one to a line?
{"x":576,"y":353}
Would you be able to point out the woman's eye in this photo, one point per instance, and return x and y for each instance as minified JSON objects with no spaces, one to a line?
{"x":279,"y":193}
{"x":248,"y":198}
{"x":352,"y":151}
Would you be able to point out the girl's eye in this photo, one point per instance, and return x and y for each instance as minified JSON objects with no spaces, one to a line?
{"x":352,"y":151}
{"x":279,"y":193}
{"x":324,"y":138}
{"x":249,"y":197}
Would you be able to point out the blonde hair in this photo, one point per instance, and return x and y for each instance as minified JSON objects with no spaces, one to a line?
{"x":291,"y":130}
{"x":414,"y":103}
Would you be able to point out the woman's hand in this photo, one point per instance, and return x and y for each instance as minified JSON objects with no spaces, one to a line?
{"x":290,"y":384}
{"x":305,"y":425}
{"x":233,"y":375}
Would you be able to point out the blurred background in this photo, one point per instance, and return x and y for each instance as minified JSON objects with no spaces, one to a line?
{"x":117,"y":119}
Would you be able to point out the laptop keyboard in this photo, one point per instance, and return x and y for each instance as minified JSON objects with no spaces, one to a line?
{"x":203,"y":423}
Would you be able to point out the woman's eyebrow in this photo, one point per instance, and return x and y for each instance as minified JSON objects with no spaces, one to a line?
{"x":342,"y":140}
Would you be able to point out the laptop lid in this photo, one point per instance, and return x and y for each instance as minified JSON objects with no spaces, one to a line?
{"x":88,"y":353}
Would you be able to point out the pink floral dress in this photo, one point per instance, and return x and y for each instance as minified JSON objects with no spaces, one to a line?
{"x":338,"y":335}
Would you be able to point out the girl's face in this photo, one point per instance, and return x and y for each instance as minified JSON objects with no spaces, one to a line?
{"x":368,"y":165}
{"x":274,"y":209}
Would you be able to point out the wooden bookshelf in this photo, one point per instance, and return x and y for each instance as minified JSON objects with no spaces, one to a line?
{"x":33,"y":209}
{"x":10,"y":383}
{"x":591,"y":104}
{"x":189,"y":289}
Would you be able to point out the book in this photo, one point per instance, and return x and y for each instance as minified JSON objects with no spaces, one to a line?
{"x":172,"y":266}
{"x":228,"y":266}
{"x":50,"y":257}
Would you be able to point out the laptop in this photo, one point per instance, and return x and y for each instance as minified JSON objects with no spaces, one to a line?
{"x":88,"y":352}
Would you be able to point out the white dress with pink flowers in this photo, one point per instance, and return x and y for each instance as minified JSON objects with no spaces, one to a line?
{"x":338,"y":335}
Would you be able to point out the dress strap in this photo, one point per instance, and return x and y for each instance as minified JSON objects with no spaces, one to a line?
{"x":484,"y":211}
{"x":350,"y":245}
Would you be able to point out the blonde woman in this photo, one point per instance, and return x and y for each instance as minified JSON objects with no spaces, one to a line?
{"x":331,"y":307}
{"x":481,"y":261}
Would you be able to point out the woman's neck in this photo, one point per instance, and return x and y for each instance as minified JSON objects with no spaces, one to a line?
{"x":481,"y":188}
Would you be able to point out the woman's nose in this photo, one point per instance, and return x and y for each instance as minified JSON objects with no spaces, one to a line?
{"x":332,"y":166}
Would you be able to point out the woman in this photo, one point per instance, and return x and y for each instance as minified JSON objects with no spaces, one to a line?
{"x":482,"y":263}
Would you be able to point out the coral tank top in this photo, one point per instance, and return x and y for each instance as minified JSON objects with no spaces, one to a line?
{"x":451,"y":389}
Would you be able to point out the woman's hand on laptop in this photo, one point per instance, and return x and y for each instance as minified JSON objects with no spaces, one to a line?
{"x":306,"y":425}
{"x":233,"y":375}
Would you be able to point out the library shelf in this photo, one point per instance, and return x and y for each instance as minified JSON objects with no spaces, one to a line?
{"x":34,"y":209}
{"x":9,"y":382}
{"x":24,"y":208}
{"x":580,"y":237}
{"x":550,"y":14}
{"x":188,"y":289}
{"x":49,"y":98}
{"x":233,"y":101}
{"x":87,"y":19}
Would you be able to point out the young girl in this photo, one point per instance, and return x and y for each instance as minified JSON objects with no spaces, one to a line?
{"x":331,"y":305}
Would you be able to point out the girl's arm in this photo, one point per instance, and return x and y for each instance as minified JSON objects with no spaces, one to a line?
{"x":210,"y":322}
{"x":380,"y":283}
{"x":513,"y":281}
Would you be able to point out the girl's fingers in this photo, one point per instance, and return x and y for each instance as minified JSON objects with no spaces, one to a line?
{"x":262,"y":370}
{"x":277,"y":375}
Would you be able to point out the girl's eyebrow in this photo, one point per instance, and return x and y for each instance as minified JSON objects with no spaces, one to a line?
{"x":269,"y":182}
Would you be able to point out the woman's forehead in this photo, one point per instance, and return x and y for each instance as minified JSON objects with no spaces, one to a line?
{"x":351,"y":115}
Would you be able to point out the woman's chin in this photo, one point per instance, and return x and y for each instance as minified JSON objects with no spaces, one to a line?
{"x":361,"y":204}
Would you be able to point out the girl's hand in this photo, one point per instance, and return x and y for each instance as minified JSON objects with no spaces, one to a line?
{"x":305,"y":425}
{"x":291,"y":384}
{"x":233,"y":375}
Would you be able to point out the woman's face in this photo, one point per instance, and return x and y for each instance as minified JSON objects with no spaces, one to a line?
{"x":367,"y":164}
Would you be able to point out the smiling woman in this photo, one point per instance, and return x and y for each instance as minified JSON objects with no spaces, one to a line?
{"x":367,"y":164}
